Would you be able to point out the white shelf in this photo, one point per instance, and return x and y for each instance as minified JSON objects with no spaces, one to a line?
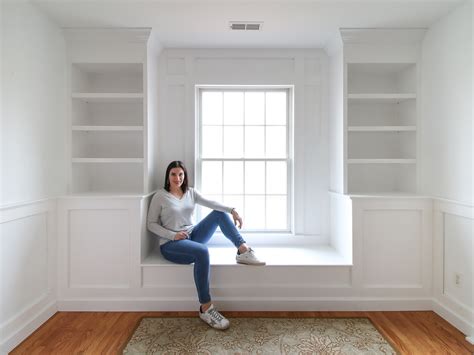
{"x":107,"y":160}
{"x":381,"y":128}
{"x":107,"y":96}
{"x":381,"y":97}
{"x":107,"y":128}
{"x":381,"y":161}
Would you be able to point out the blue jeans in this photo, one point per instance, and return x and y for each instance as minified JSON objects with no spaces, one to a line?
{"x":194,"y":250}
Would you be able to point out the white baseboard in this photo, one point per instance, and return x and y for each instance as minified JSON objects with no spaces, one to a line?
{"x":250,"y":304}
{"x":464,"y":325}
{"x":28,"y":327}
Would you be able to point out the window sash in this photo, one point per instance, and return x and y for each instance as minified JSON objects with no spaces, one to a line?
{"x":286,"y":157}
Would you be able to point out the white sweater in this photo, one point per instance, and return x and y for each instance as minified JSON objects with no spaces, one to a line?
{"x":168,"y":214}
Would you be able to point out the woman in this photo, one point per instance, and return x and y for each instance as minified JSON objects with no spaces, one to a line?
{"x":170,"y":217}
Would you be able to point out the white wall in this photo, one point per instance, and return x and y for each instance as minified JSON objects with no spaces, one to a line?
{"x":33,"y":110}
{"x":33,"y":135}
{"x":447,"y":161}
{"x":447,"y":107}
{"x":181,"y":70}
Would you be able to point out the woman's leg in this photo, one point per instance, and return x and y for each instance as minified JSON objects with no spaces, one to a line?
{"x":186,"y":252}
{"x":204,"y":230}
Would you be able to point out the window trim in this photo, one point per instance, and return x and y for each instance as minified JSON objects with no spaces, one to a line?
{"x":199,"y":89}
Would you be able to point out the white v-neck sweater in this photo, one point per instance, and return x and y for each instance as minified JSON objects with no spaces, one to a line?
{"x":168,"y":214}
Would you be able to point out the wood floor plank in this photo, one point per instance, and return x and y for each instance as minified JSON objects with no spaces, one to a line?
{"x":107,"y":332}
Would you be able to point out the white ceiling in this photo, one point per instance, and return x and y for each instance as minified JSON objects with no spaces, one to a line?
{"x":287,"y":23}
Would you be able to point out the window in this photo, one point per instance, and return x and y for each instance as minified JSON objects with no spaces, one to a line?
{"x":244,"y":153}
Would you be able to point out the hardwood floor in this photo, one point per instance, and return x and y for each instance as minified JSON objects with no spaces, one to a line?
{"x":107,"y":332}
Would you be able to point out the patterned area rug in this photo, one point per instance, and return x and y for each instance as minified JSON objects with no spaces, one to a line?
{"x":258,"y":336}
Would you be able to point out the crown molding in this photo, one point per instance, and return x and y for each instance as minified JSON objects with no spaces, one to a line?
{"x":382,"y":35}
{"x":131,"y":35}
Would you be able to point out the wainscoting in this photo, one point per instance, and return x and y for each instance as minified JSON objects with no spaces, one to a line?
{"x":28,"y":269}
{"x":94,"y":254}
{"x":104,"y":266}
{"x":453,"y":268}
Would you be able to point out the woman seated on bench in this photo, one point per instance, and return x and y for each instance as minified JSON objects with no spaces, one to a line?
{"x":170,"y":217}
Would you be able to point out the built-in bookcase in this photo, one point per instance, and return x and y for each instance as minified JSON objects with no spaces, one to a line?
{"x":381,"y":127}
{"x":113,"y":110}
{"x":107,"y":139}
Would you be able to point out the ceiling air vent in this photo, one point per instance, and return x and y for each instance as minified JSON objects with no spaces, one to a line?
{"x":245,"y":26}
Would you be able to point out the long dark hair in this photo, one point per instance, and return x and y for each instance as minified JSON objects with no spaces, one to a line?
{"x":172,"y":165}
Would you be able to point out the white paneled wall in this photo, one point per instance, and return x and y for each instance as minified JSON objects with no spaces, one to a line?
{"x":393,"y":247}
{"x":181,"y":70}
{"x":453,"y":276}
{"x":27,"y":269}
{"x":99,"y":235}
{"x":100,"y":247}
{"x":447,"y":160}
{"x":107,"y":262}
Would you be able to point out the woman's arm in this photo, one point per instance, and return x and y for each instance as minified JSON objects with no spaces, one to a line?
{"x":214,"y":205}
{"x":153,"y":219}
{"x":198,"y":198}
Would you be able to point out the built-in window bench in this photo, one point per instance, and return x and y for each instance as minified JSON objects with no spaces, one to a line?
{"x":109,"y":261}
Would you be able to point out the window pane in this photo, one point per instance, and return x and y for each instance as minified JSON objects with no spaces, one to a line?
{"x":255,"y":177}
{"x":275,"y":107}
{"x":276,"y":177}
{"x":234,"y":142}
{"x":254,"y":108}
{"x":275,"y":145}
{"x":236,"y":202}
{"x":243,"y":154}
{"x":211,"y":107}
{"x":254,"y":142}
{"x":254,"y":212}
{"x":211,"y":177}
{"x":276,"y":212}
{"x":233,"y":177}
{"x":233,"y":108}
{"x":211,"y":141}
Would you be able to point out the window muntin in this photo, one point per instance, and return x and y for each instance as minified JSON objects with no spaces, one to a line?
{"x":244,"y":154}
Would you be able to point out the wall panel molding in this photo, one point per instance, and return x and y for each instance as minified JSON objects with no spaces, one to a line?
{"x":387,"y":234}
{"x":453,"y":251}
{"x":29,"y":288}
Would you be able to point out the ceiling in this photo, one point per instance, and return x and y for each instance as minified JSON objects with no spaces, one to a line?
{"x":286,"y":23}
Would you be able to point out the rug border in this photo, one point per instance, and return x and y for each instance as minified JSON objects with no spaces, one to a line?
{"x":380,"y":332}
{"x":377,"y":328}
{"x":125,"y":343}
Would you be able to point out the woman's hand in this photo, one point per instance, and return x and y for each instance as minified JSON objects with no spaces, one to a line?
{"x":181,"y":235}
{"x":237,"y":219}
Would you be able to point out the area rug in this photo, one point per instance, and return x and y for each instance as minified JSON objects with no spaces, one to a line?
{"x":258,"y":336}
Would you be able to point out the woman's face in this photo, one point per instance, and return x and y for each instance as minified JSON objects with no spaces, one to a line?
{"x":176,"y":177}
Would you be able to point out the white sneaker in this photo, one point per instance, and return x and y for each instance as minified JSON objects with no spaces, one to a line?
{"x":214,"y":318}
{"x":249,"y":258}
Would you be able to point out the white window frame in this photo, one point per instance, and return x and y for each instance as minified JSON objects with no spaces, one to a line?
{"x":289,"y":89}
